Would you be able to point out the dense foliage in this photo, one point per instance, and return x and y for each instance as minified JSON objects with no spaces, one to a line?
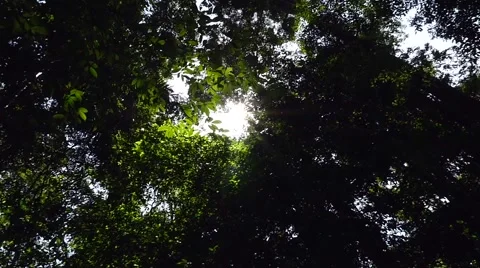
{"x":359,"y":155}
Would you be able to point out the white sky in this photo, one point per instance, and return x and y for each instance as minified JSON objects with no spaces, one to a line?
{"x":418,"y":39}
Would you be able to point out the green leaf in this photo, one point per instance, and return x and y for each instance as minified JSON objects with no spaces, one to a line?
{"x":83,"y":116}
{"x":183,"y":32}
{"x":229,"y":71}
{"x":213,"y":249}
{"x":216,"y":122}
{"x":77,"y":93}
{"x":59,"y":116}
{"x":188,"y":112}
{"x":161,"y":42}
{"x":81,"y":112}
{"x":93,"y":72}
{"x":164,"y":128}
{"x":140,"y":83}
{"x":16,"y":27}
{"x":26,"y":25}
{"x":39,"y":30}
{"x":162,"y":105}
{"x":98,"y":54}
{"x":183,"y":263}
{"x":137,"y":146}
{"x":169,"y":133}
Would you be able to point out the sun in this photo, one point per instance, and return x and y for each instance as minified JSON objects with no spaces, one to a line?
{"x":234,"y":118}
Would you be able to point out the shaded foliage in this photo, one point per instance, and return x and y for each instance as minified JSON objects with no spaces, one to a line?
{"x":359,"y":156}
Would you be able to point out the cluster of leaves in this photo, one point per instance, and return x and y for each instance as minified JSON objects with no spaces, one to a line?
{"x":378,"y":162}
{"x":357,"y":157}
{"x":79,"y":78}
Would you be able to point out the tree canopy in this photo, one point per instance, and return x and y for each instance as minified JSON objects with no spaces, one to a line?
{"x":358,"y":154}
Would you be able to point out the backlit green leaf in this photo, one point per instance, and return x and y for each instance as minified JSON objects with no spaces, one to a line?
{"x":93,"y":72}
